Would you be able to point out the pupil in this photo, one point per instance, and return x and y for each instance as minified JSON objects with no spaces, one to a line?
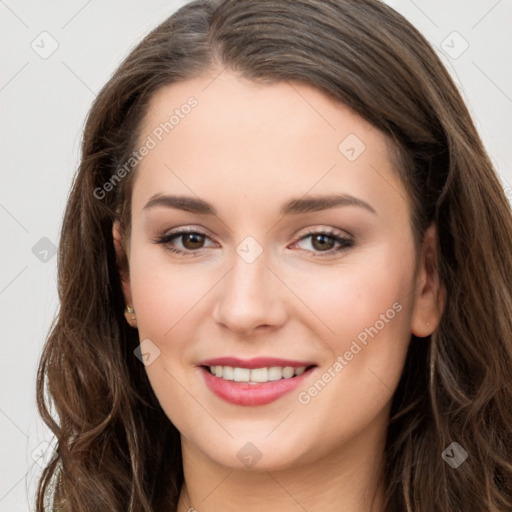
{"x":324,"y":242}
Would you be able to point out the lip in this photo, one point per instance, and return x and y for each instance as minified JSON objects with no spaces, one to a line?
{"x":256,"y":362}
{"x":243,"y":393}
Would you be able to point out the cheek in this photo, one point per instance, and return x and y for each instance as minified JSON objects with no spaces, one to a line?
{"x":362,"y":292}
{"x":163,"y":293}
{"x":166,"y":297}
{"x":369,"y":311}
{"x":366,"y":311}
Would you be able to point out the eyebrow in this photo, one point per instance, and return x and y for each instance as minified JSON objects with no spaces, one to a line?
{"x":291,"y":207}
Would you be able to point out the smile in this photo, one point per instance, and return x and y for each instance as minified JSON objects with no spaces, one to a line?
{"x":253,"y":382}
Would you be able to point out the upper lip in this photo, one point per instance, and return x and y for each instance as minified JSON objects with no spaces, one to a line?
{"x":256,"y":362}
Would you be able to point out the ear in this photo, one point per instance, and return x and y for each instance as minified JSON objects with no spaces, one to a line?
{"x":124,"y":274}
{"x":429,"y":294}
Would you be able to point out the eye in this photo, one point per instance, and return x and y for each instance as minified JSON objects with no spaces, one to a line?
{"x":324,"y":243}
{"x":188,"y":241}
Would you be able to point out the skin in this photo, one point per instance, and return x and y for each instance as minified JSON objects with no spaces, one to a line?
{"x":247,"y":149}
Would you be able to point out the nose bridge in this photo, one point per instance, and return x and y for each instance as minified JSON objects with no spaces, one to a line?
{"x":250,"y":294}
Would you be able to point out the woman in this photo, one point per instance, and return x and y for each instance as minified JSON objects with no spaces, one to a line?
{"x":284,"y":276}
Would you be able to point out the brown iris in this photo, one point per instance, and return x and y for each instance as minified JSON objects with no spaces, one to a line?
{"x":322,"y":242}
{"x":192,"y":240}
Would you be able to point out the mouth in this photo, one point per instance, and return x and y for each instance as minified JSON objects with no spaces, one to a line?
{"x":254,"y":382}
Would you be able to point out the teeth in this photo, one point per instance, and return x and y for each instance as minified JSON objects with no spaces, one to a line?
{"x":259,"y":374}
{"x":240,"y":374}
{"x":256,"y":375}
{"x":288,"y":372}
{"x":227,"y":373}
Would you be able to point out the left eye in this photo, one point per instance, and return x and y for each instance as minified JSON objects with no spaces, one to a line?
{"x":324,"y":242}
{"x":192,"y":241}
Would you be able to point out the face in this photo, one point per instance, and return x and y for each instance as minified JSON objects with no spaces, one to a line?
{"x":270,"y":230}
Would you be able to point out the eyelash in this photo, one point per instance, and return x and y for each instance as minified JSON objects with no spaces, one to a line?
{"x":345,"y":242}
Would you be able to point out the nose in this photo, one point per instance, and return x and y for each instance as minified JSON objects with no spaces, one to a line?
{"x":250,"y":298}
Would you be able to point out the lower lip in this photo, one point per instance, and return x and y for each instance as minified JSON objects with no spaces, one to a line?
{"x":242,"y":393}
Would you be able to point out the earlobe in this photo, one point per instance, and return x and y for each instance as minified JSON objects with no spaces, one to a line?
{"x":129,"y":314}
{"x":124,"y":275}
{"x":429,"y":293}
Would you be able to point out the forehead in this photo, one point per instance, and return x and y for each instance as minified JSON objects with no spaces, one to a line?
{"x":281,"y":137}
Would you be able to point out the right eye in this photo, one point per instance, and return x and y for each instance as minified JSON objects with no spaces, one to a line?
{"x":190,"y":241}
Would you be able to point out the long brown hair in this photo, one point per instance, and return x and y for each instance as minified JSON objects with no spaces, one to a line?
{"x":114,"y":440}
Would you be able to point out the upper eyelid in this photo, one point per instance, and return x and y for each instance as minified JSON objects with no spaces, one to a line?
{"x":330,"y":231}
{"x":176,"y":232}
{"x":307,"y":232}
{"x":304,"y":231}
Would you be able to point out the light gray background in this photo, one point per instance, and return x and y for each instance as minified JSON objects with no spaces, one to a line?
{"x":44,"y":102}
